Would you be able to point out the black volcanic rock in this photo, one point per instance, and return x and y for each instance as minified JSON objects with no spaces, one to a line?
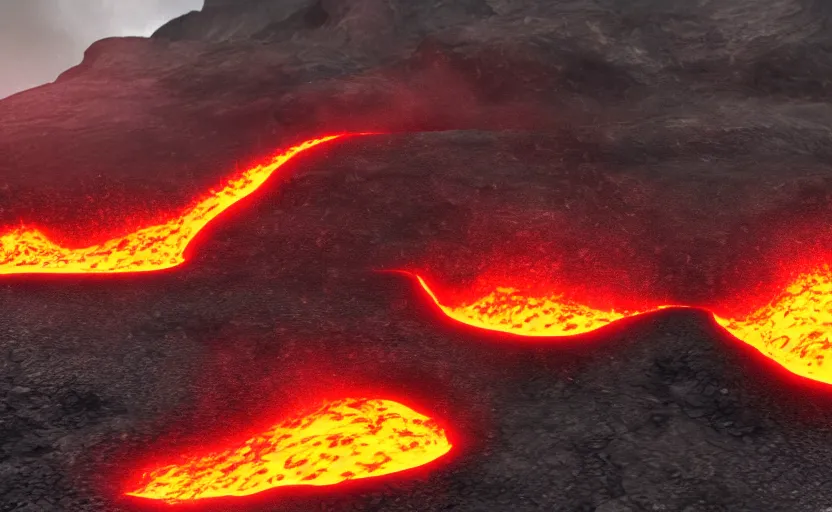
{"x":363,"y":24}
{"x":655,"y":150}
{"x":223,"y":21}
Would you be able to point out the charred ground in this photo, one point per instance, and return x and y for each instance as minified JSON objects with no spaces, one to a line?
{"x":636,"y":149}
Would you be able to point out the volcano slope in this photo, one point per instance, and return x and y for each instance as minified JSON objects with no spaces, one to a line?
{"x":626,"y":152}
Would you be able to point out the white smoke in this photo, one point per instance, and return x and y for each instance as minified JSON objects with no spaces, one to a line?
{"x":39,"y":39}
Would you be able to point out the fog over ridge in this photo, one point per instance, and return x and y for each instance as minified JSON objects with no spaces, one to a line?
{"x":39,"y":39}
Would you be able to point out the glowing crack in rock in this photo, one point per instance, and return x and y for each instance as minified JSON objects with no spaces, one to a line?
{"x":152,"y":248}
{"x":507,"y":310}
{"x":793,"y":329}
{"x":344,"y":440}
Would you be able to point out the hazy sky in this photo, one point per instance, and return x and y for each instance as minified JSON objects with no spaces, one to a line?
{"x":39,"y":39}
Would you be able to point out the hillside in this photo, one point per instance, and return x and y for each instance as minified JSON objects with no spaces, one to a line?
{"x":633,"y":152}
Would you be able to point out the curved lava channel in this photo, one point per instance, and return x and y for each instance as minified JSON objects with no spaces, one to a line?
{"x":25,"y":251}
{"x":508,"y":310}
{"x":792,"y":330}
{"x":343,"y":440}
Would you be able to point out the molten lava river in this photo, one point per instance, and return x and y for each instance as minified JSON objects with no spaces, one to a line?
{"x":509,"y":310}
{"x":343,"y":440}
{"x":792,"y":330}
{"x":25,"y":251}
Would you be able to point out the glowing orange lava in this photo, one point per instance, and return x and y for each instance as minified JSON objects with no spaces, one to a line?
{"x":508,"y":310}
{"x":793,"y":329}
{"x":343,"y":440}
{"x":159,"y":247}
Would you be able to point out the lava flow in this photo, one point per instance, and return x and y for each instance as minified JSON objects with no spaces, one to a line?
{"x":344,"y":440}
{"x":507,"y":310}
{"x":793,"y":329}
{"x":158,"y":247}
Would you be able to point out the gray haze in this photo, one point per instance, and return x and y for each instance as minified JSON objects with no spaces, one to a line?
{"x":39,"y":39}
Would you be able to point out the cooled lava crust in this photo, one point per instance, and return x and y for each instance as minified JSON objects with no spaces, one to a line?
{"x":633,"y":177}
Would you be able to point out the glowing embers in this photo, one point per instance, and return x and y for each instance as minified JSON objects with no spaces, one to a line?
{"x":152,"y":248}
{"x":343,"y":440}
{"x":794,"y":328}
{"x":508,"y":310}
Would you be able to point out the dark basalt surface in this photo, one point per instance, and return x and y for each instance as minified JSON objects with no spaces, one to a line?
{"x":629,"y":151}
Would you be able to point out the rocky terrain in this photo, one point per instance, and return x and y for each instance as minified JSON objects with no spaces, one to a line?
{"x":641,"y":150}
